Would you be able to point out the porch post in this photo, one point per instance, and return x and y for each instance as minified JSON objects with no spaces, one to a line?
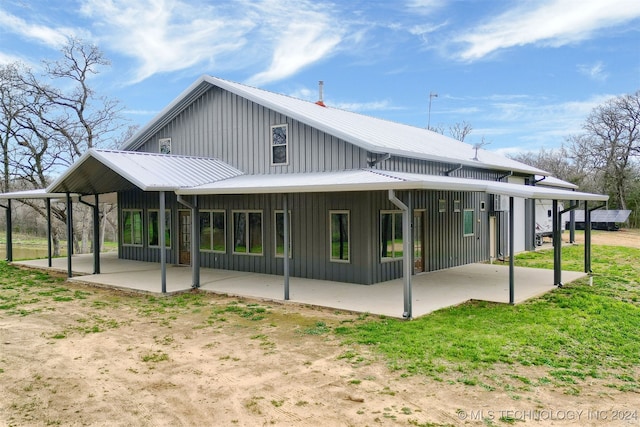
{"x":195,"y":244}
{"x":587,"y":238}
{"x":161,"y":243}
{"x":69,"y":234}
{"x":49,"y":232}
{"x":9,"y":232}
{"x":285,"y":219}
{"x":96,"y":235}
{"x":408,"y":253}
{"x":512,"y":276}
{"x":557,"y":246}
{"x":572,"y":222}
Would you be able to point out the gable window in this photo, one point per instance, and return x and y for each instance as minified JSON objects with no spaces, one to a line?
{"x":279,"y":145}
{"x":164,"y":146}
{"x":213,"y":231}
{"x":339,"y":231}
{"x":247,"y":232}
{"x":132,"y":227}
{"x":391,"y":242}
{"x":154,"y":228}
{"x":279,"y":234}
{"x":468,"y":222}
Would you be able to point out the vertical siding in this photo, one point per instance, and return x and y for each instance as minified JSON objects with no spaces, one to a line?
{"x":223,"y":125}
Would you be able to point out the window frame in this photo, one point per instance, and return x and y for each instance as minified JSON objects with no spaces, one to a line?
{"x":394,"y":257}
{"x":247,"y":212}
{"x":464,"y":223}
{"x":162,"y":143}
{"x":131,"y":211}
{"x":273,"y":145}
{"x":275,"y":234}
{"x":167,"y":213}
{"x":211,"y":213}
{"x":456,"y":206}
{"x":348,"y":214}
{"x":442,"y":205}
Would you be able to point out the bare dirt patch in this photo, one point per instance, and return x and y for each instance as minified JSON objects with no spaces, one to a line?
{"x":623,"y":237}
{"x":111,"y":358}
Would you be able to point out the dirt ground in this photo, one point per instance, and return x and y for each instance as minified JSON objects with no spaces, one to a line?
{"x":112,"y":359}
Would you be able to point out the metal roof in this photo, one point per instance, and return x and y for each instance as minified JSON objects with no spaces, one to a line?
{"x":370,"y":179}
{"x":370,"y":133}
{"x":105,"y":171}
{"x":550,"y":181}
{"x":602,"y":215}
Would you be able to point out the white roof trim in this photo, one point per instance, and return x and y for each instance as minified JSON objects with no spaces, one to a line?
{"x":34,"y":194}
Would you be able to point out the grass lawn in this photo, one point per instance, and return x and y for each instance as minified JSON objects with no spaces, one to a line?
{"x":573,"y":333}
{"x":565,"y":338}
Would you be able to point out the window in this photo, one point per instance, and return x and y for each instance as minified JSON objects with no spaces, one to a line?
{"x":339,"y":230}
{"x":442,"y":205}
{"x":483,"y":206}
{"x":132,"y":227}
{"x":213,"y":231}
{"x":247,"y":232}
{"x":279,"y":234}
{"x":154,"y":228}
{"x":279,"y":145}
{"x":456,"y":205}
{"x":468,"y":222}
{"x":391,"y":242}
{"x":164,"y":146}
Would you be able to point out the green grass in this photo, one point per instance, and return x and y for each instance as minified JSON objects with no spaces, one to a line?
{"x":575,"y":332}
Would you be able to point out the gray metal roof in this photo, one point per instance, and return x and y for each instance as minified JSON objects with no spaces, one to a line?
{"x":370,"y":179}
{"x":602,"y":215}
{"x":550,"y":181}
{"x":105,"y":171}
{"x":370,"y":133}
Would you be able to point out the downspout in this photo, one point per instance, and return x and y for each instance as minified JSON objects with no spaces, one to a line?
{"x":449,"y":172}
{"x":500,"y":178}
{"x":406,"y":247}
{"x":377,"y":160}
{"x":195,"y":240}
{"x":162,"y":242}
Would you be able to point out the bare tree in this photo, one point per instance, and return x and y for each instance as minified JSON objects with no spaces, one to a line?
{"x":610,"y":144}
{"x":62,"y":119}
{"x":460,"y":130}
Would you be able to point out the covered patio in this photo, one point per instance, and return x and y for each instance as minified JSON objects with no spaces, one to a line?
{"x":431,"y":291}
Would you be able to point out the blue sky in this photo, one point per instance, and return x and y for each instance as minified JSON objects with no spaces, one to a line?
{"x":524,"y":74}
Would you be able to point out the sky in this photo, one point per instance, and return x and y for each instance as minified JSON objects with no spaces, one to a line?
{"x":524,"y":74}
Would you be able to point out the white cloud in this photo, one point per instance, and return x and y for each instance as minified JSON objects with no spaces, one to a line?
{"x":166,"y":35}
{"x":594,"y":71}
{"x":9,"y":59}
{"x":550,"y":23}
{"x":43,"y":34}
{"x":302,"y":33}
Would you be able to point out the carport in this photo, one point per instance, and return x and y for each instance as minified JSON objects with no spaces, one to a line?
{"x":106,"y":171}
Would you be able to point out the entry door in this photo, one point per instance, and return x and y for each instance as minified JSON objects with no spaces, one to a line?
{"x":185,"y":237}
{"x":418,"y":242}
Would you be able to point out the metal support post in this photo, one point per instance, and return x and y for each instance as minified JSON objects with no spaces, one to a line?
{"x":161,"y":243}
{"x":512,"y":278}
{"x":285,"y":219}
{"x":69,"y":235}
{"x":557,"y":246}
{"x":49,"y":234}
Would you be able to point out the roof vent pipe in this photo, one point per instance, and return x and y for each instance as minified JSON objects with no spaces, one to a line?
{"x":320,"y":101}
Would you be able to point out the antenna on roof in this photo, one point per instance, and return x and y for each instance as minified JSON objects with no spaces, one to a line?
{"x":479,"y":145}
{"x":320,"y":101}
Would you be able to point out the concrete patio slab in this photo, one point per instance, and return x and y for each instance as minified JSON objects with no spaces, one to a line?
{"x":431,"y":291}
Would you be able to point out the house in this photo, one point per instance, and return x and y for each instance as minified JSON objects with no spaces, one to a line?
{"x":233,"y":177}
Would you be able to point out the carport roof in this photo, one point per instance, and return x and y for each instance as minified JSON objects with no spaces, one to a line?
{"x":105,"y":171}
{"x":372,"y":179}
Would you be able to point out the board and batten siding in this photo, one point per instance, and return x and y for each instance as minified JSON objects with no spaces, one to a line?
{"x":237,"y":131}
